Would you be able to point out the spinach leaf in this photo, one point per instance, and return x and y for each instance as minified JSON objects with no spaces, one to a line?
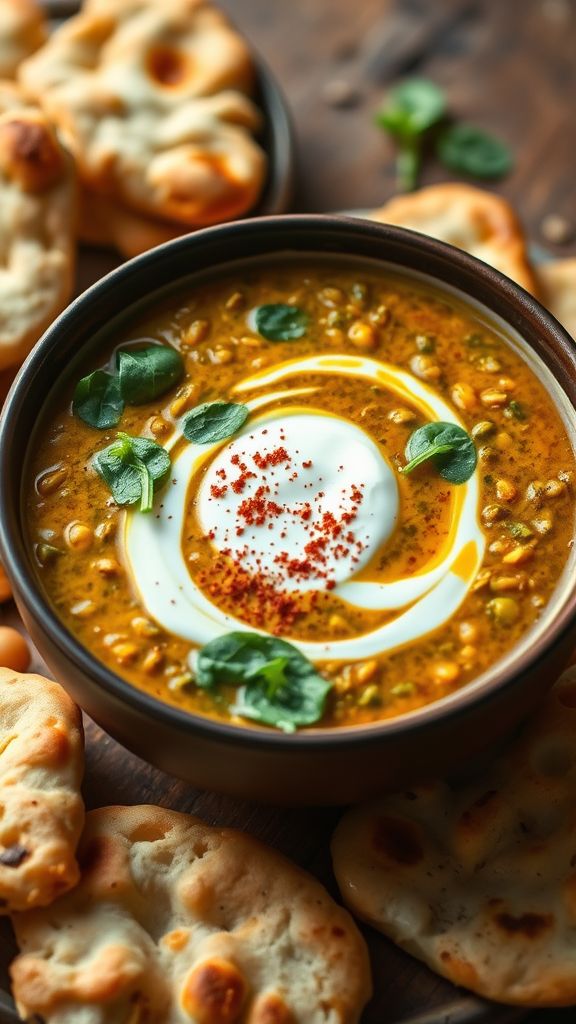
{"x":133,"y":467}
{"x":281,"y":687}
{"x":467,"y":150}
{"x":97,"y":400}
{"x":411,"y":110}
{"x":213,"y":421}
{"x":146,"y":373}
{"x":451,"y":448}
{"x":279,"y":322}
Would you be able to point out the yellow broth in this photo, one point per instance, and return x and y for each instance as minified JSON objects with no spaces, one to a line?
{"x":525,"y":472}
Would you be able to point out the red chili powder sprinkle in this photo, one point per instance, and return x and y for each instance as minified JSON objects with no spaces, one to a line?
{"x":274,"y":458}
{"x":258,"y":508}
{"x":218,"y":492}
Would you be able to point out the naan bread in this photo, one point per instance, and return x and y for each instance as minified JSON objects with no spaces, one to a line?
{"x":22,"y":31}
{"x":479,"y":880}
{"x":174,"y":921}
{"x":558,"y":290}
{"x":37,"y":222}
{"x":151,"y":98}
{"x":41,"y":810}
{"x":106,"y":223}
{"x":472,"y":219}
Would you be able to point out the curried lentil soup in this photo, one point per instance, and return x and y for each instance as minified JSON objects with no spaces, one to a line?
{"x":359,"y":497}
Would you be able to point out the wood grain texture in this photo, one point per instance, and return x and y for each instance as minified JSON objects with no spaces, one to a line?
{"x":508,"y":67}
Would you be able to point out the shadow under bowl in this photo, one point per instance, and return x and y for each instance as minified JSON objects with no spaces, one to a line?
{"x":312,"y":766}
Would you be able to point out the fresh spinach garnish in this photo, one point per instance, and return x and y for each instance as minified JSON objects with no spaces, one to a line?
{"x":278,"y":685}
{"x":468,"y":150}
{"x":133,"y":468}
{"x":279,"y":322}
{"x":142,"y":375}
{"x":411,"y":110}
{"x":97,"y":400}
{"x":146,"y":373}
{"x":213,"y":421}
{"x":451,"y":448}
{"x":415,"y":113}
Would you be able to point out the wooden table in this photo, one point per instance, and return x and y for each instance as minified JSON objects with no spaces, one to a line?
{"x":510,"y":68}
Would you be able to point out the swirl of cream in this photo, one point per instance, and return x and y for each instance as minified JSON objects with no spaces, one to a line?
{"x":152,"y":544}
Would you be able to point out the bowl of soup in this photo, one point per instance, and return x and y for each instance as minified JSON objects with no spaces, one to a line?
{"x":288,"y":505}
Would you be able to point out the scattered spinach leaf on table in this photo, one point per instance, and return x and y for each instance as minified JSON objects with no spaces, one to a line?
{"x":411,"y":110}
{"x":278,"y":685}
{"x":97,"y":400}
{"x":133,"y":468}
{"x":468,"y":150}
{"x":451,"y":448}
{"x":213,"y":421}
{"x":280,"y":322}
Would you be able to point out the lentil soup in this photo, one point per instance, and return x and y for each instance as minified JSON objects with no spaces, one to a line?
{"x":302,"y":495}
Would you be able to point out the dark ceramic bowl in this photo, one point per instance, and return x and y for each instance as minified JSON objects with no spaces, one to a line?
{"x":316,"y":766}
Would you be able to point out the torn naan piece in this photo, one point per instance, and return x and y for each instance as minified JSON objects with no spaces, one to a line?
{"x":176,"y":921}
{"x":479,"y":880}
{"x":41,"y":766}
{"x":23,"y":29}
{"x":37,"y":225}
{"x":558,"y":291}
{"x":152,"y":98}
{"x":469,"y":218}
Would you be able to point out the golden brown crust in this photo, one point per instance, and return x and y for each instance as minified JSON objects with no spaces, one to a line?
{"x":151,"y":98}
{"x":472,"y":219}
{"x":30,"y":155}
{"x":188,"y":922}
{"x":558,"y":291}
{"x":479,"y":879}
{"x":41,"y":761}
{"x":23,"y":29}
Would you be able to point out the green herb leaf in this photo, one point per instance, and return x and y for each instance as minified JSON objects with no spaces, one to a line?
{"x":133,"y":468}
{"x":411,"y":110}
{"x":97,"y":400}
{"x":213,"y":421}
{"x":451,"y":448}
{"x":280,"y":686}
{"x":467,"y":150}
{"x":146,"y":373}
{"x":279,"y":322}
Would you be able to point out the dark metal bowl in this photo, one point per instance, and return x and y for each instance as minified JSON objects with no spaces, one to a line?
{"x":316,"y":766}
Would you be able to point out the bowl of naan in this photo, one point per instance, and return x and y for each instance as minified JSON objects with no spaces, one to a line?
{"x":122,"y":127}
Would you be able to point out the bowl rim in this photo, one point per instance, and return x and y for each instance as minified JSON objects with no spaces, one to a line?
{"x":522,"y":307}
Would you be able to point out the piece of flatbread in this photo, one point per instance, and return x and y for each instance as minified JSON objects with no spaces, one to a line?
{"x":558,"y":291}
{"x":41,"y":765}
{"x":479,"y":879}
{"x":37,"y":225}
{"x":103,"y":222}
{"x":175,"y":921}
{"x":151,"y":96}
{"x":22,"y":31}
{"x":469,"y":218}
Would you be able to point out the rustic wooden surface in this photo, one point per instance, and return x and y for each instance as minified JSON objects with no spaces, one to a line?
{"x":510,"y":68}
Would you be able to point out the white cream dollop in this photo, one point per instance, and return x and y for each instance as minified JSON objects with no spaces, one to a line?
{"x":425,"y":600}
{"x":300,"y":501}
